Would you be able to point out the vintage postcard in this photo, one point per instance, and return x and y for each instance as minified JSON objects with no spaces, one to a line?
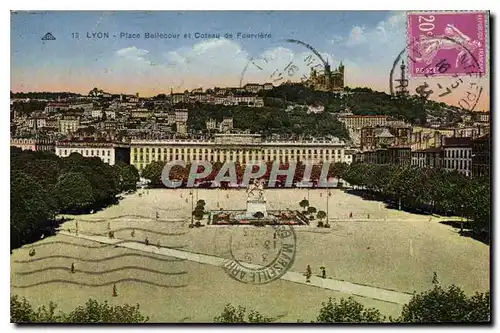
{"x":250,"y":167}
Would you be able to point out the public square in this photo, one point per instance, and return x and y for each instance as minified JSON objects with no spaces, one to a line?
{"x":377,"y":247}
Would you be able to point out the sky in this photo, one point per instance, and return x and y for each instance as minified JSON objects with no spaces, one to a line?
{"x":366,"y":42}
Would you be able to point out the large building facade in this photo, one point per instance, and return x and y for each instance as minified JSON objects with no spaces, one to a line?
{"x":428,"y":158}
{"x":33,"y":144}
{"x":392,"y":155}
{"x":108,"y":152}
{"x":383,"y":137}
{"x":242,"y":148}
{"x":481,"y":159}
{"x":458,"y":155}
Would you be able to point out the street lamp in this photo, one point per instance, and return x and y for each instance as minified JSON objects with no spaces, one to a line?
{"x":462,"y":219}
{"x":192,"y":206}
{"x":327,"y":213}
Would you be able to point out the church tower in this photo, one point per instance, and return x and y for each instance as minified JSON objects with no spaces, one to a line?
{"x":328,"y":76}
{"x":341,"y":68}
{"x":313,"y":73}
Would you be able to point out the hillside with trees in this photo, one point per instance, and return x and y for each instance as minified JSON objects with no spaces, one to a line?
{"x":268,"y":120}
{"x":362,"y":101}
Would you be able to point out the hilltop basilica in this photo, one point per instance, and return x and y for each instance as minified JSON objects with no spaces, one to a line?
{"x":328,"y":80}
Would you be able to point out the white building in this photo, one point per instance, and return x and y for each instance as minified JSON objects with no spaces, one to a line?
{"x":458,"y":155}
{"x":96,"y":113}
{"x":181,"y":127}
{"x":211,"y":124}
{"x":226,"y":124}
{"x":315,"y":109}
{"x":32,"y":144}
{"x":39,"y":122}
{"x":56,"y":107}
{"x":236,"y":147}
{"x":253,"y":87}
{"x":268,"y":86}
{"x":85,"y":106}
{"x":360,"y":121}
{"x":68,"y":125}
{"x":110,"y":114}
{"x":483,"y":116}
{"x":178,"y":98}
{"x":181,"y":115}
{"x":171,"y":117}
{"x":108,"y":152}
{"x":141,"y":113}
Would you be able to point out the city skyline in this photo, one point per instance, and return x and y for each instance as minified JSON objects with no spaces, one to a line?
{"x":360,"y":40}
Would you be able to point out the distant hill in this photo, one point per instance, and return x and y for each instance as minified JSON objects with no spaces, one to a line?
{"x":44,"y":95}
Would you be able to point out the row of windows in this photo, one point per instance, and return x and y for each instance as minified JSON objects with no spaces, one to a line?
{"x":237,"y":151}
{"x":87,"y":153}
{"x":458,"y":164}
{"x":213,"y":158}
{"x":423,"y":162}
{"x":141,"y":164}
{"x":458,"y":153}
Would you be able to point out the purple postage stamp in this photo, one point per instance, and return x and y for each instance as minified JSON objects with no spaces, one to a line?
{"x":456,"y":40}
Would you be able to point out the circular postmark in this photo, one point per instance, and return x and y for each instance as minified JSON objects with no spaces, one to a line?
{"x":436,"y":83}
{"x":261,"y":257}
{"x":294,"y":63}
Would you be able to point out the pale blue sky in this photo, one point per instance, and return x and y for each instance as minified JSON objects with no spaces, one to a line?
{"x":367,"y":42}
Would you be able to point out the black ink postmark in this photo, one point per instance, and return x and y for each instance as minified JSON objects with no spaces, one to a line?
{"x":297,"y":69}
{"x":261,"y":259}
{"x":429,"y":86}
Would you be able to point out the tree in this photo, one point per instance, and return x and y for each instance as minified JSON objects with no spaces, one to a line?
{"x":230,"y":314}
{"x":31,"y":208}
{"x":347,"y":311}
{"x":42,"y":184}
{"x":199,"y":210}
{"x":74,"y":192}
{"x":321,"y":215}
{"x":129,"y":176}
{"x":92,"y":312}
{"x":160,"y":97}
{"x":95,"y":92}
{"x":311,"y":210}
{"x":304,"y":203}
{"x":153,"y":172}
{"x":446,"y":305}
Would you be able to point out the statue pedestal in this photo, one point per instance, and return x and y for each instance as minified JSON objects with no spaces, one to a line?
{"x":254,"y":206}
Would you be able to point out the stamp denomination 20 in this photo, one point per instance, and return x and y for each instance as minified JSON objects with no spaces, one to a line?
{"x":457,"y":37}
